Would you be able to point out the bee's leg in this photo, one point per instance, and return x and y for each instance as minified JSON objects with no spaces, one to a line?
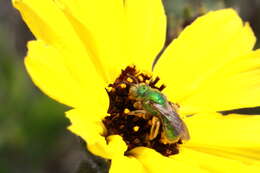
{"x":138,"y":113}
{"x":164,"y":139}
{"x":155,"y":122}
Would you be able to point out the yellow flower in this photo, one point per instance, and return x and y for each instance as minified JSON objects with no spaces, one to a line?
{"x":81,"y":46}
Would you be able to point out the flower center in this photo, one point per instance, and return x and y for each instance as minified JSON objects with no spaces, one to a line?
{"x":137,"y":113}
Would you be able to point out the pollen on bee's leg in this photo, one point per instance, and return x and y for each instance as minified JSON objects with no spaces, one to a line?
{"x":155,"y":125}
{"x":138,"y":113}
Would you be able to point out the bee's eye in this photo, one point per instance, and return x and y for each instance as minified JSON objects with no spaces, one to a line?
{"x":141,"y":90}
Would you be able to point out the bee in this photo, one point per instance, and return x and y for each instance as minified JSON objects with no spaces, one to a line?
{"x":151,"y":103}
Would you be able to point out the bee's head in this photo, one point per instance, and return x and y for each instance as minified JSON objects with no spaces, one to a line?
{"x":138,"y":91}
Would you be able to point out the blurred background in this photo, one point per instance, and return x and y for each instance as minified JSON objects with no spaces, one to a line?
{"x":33,"y":135}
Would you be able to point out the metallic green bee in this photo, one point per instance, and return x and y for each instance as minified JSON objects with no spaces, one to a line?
{"x":152,"y":103}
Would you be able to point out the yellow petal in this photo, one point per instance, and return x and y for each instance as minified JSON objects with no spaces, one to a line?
{"x":50,"y":73}
{"x":100,"y":25}
{"x":232,"y":131}
{"x":126,"y":164}
{"x":134,"y":30}
{"x":49,"y":24}
{"x":201,"y":49}
{"x":213,"y":163}
{"x":154,"y":162}
{"x":244,"y":155}
{"x":235,"y":85}
{"x":191,"y":160}
{"x":146,"y":30}
{"x":88,"y":125}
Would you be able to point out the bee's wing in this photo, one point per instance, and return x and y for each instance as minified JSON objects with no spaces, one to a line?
{"x":168,"y":112}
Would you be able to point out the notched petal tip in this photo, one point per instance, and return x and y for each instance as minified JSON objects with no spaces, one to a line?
{"x":249,"y":30}
{"x":221,"y":37}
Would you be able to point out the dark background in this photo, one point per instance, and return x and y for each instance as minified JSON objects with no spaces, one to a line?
{"x":33,"y":135}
